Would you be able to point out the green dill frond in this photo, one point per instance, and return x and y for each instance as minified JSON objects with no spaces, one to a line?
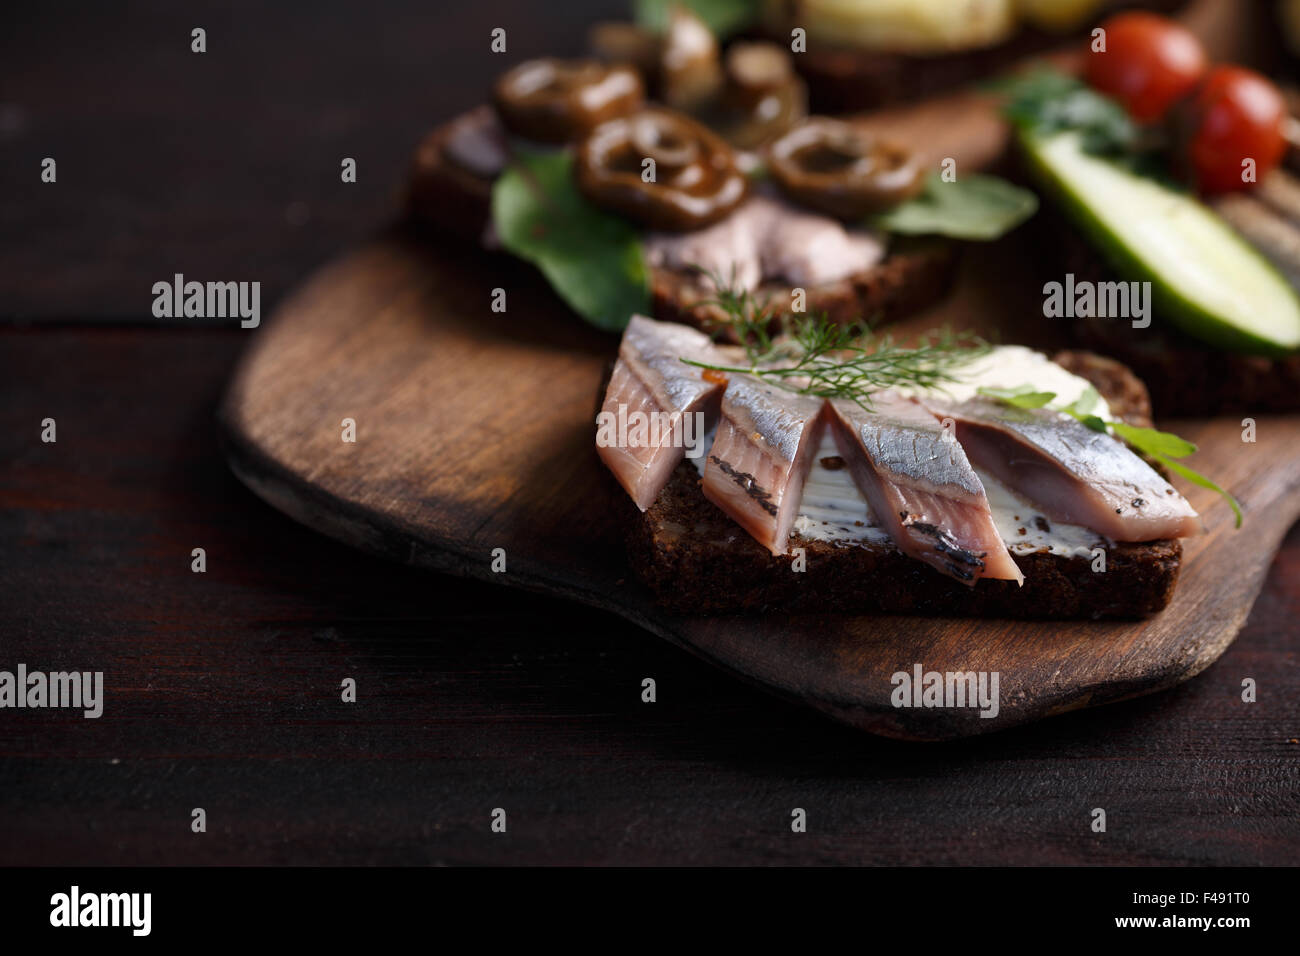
{"x":828,"y":360}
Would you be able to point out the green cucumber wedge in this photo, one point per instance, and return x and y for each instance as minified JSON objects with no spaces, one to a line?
{"x":1204,"y":277}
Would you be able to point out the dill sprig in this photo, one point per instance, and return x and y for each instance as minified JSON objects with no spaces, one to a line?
{"x":747,"y":317}
{"x":828,"y":360}
{"x":818,"y":357}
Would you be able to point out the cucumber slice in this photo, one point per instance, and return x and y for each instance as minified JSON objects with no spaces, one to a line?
{"x":1204,"y":277}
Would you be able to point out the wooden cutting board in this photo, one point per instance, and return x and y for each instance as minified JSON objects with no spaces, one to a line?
{"x":474,"y":431}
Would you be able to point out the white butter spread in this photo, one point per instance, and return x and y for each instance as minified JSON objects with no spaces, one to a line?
{"x":834,"y":510}
{"x":1025,"y":530}
{"x":766,"y":238}
{"x":1008,"y":366}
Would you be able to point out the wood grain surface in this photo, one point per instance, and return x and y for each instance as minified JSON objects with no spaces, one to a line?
{"x":223,"y":691}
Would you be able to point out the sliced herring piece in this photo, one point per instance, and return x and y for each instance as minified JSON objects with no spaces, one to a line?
{"x":764,"y":447}
{"x":921,"y":487}
{"x":648,"y":417}
{"x":1070,"y":472}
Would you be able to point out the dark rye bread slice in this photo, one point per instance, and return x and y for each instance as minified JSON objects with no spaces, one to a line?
{"x":846,"y":80}
{"x":1190,"y":379}
{"x":1184,"y":377}
{"x":914,"y":274}
{"x":439,"y":192}
{"x":696,"y":560}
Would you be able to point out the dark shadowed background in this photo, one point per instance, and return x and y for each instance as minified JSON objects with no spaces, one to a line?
{"x":223,"y":687}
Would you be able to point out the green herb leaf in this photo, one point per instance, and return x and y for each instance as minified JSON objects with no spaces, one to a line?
{"x":1165,"y":447}
{"x":1152,"y":442}
{"x":823,"y":358}
{"x":973,"y":206}
{"x":1022,"y":396}
{"x":592,"y":259}
{"x":1044,"y":102}
{"x":1083,"y":406}
{"x":1196,"y":478}
{"x":723,"y":17}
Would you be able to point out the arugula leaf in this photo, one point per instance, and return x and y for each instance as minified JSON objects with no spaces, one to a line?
{"x":1092,"y":421}
{"x":1045,"y":101}
{"x":1164,"y":448}
{"x":973,"y":206}
{"x":1022,"y":396}
{"x":592,"y":259}
{"x":1081,"y":410}
{"x":1196,"y":478}
{"x":1149,"y":441}
{"x":1083,"y":405}
{"x":723,"y":17}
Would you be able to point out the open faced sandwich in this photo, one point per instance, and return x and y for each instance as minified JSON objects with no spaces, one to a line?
{"x":826,"y":471}
{"x":857,"y":55}
{"x":1174,"y":222}
{"x":630,"y":206}
{"x":863,"y":54}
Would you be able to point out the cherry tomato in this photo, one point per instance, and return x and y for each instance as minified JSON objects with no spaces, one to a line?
{"x":1148,"y":64}
{"x":1236,"y":115}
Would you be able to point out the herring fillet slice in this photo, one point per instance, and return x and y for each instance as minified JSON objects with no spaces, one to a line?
{"x":651,"y":383}
{"x":921,"y":487}
{"x":1070,"y":472}
{"x":761,"y":456}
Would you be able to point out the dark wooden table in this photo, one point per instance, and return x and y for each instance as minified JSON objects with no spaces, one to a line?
{"x":223,"y":687}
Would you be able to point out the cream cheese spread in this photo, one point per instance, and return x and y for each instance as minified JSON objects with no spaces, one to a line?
{"x":1008,"y":366}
